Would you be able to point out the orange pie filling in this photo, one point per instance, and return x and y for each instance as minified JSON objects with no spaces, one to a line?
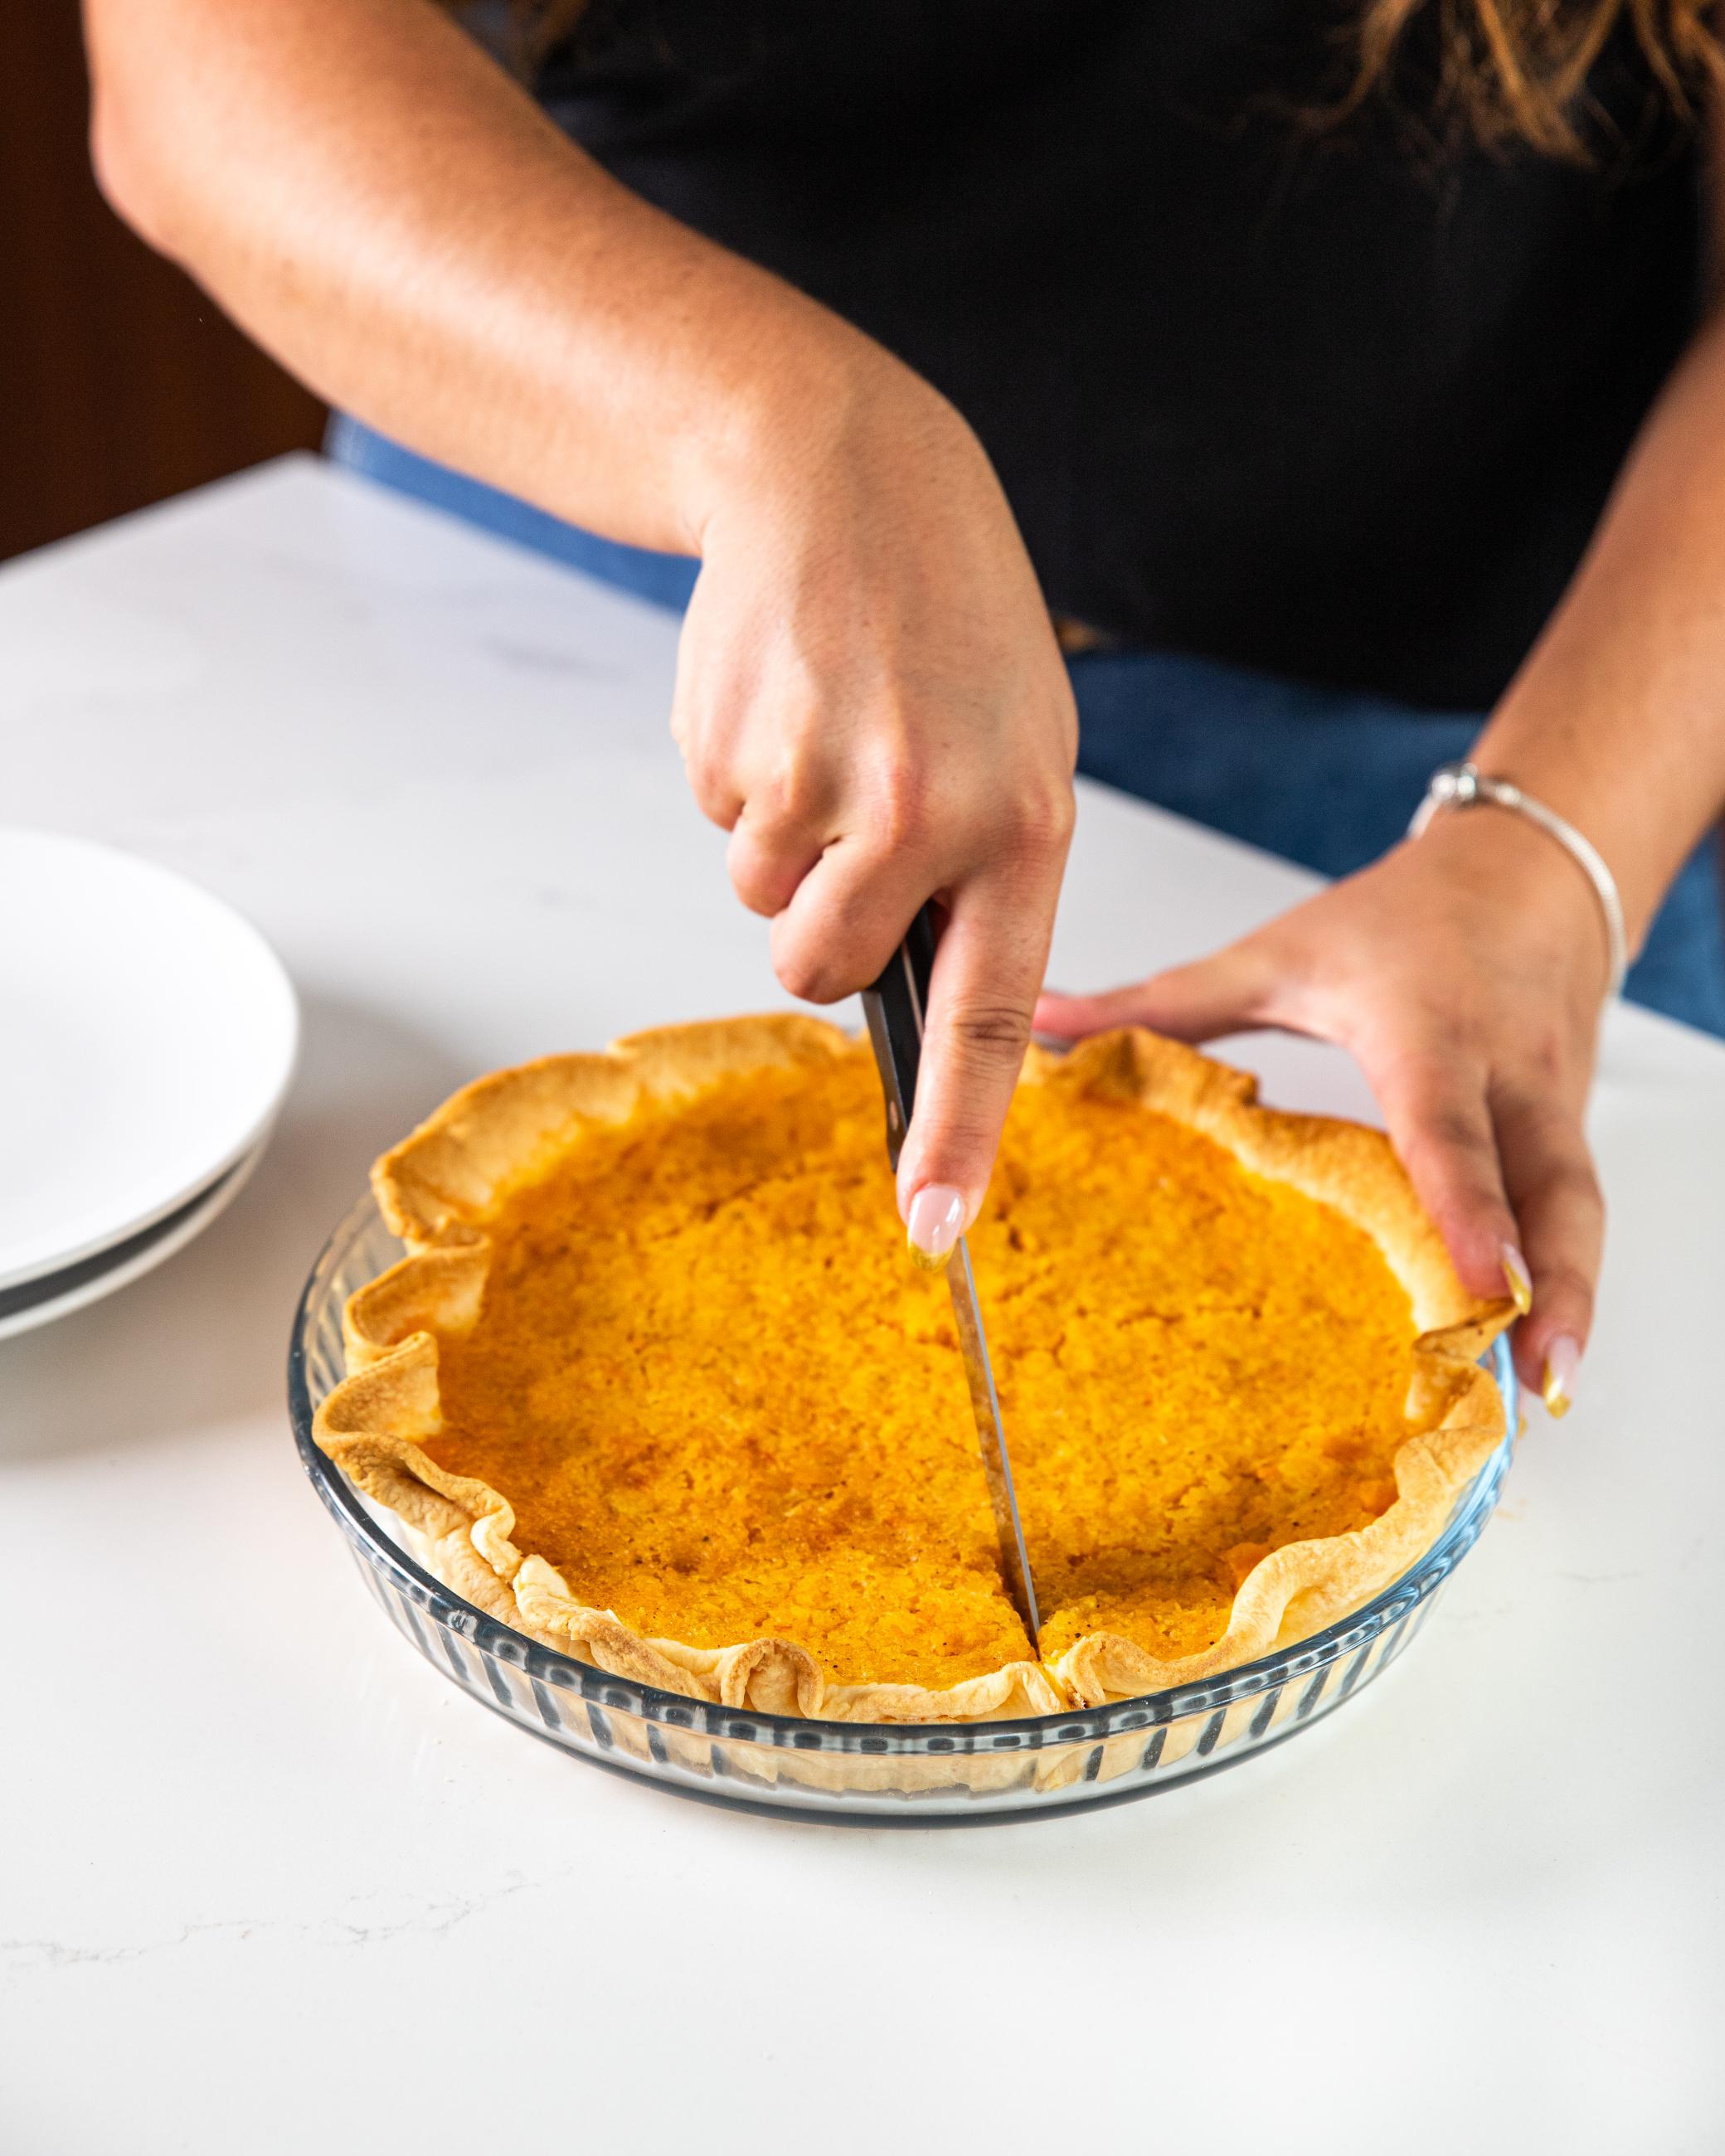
{"x":726,"y":1407}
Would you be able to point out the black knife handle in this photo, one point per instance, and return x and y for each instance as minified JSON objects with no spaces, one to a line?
{"x":894,"y":1008}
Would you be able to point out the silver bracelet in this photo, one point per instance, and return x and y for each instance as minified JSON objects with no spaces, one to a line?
{"x":1464,"y":785}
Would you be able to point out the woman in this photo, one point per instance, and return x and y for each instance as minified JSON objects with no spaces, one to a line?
{"x":1310,"y":347}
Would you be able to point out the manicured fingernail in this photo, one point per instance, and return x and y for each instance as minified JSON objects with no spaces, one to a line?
{"x":1521,"y":1283}
{"x":934,"y":1222}
{"x":1563,"y":1358}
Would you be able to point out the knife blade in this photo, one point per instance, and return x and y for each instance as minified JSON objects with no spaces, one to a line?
{"x":894,"y":1008}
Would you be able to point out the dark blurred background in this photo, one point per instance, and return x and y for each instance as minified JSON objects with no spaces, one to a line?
{"x":119,"y":382}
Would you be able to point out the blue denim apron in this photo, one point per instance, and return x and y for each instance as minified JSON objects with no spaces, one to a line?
{"x":1326,"y":779}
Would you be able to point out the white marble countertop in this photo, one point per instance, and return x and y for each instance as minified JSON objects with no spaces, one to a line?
{"x":268,"y":1885}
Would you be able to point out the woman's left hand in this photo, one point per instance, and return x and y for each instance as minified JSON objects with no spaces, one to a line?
{"x":1465,"y":971}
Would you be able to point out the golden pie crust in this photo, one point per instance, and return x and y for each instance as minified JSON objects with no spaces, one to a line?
{"x":1159,"y":1254}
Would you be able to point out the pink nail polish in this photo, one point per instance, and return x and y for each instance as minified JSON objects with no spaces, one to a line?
{"x":934,"y":1222}
{"x":1521,"y":1284}
{"x":1563,"y":1358}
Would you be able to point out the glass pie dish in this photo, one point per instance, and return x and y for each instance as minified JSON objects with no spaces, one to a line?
{"x":870,"y":1774}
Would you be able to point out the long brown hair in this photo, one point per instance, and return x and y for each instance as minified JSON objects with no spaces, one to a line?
{"x":1507,"y":70}
{"x":1515,"y":70}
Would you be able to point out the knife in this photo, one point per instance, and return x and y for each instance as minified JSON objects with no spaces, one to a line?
{"x":894,"y":1007}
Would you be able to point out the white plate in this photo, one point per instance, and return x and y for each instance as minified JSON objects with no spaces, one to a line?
{"x":69,"y":1287}
{"x":147,"y":1035}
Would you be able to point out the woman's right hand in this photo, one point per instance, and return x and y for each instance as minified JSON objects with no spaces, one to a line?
{"x":871,"y":700}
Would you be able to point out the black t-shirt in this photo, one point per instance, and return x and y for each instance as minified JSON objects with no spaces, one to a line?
{"x":1336,"y":405}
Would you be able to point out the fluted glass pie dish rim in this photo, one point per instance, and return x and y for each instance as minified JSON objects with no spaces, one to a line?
{"x":731,"y":1755}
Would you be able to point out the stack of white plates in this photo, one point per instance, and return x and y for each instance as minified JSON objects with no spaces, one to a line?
{"x":147,"y":1035}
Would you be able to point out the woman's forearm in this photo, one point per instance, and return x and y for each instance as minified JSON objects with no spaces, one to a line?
{"x":384,"y":210}
{"x":1617,"y":720}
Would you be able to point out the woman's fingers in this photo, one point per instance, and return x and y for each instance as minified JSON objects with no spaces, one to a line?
{"x":768,"y":862}
{"x":1551,"y":1182}
{"x":1440,"y":1122}
{"x":844,"y":920}
{"x":986,"y":971}
{"x":1503,"y":1171}
{"x":1226,"y":993}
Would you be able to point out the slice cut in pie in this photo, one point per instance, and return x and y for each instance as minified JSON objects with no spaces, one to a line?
{"x":657,"y":1385}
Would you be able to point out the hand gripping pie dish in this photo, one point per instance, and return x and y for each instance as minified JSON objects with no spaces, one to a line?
{"x":657,"y":1386}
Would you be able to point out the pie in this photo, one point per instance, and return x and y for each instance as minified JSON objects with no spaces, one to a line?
{"x":657,"y":1385}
